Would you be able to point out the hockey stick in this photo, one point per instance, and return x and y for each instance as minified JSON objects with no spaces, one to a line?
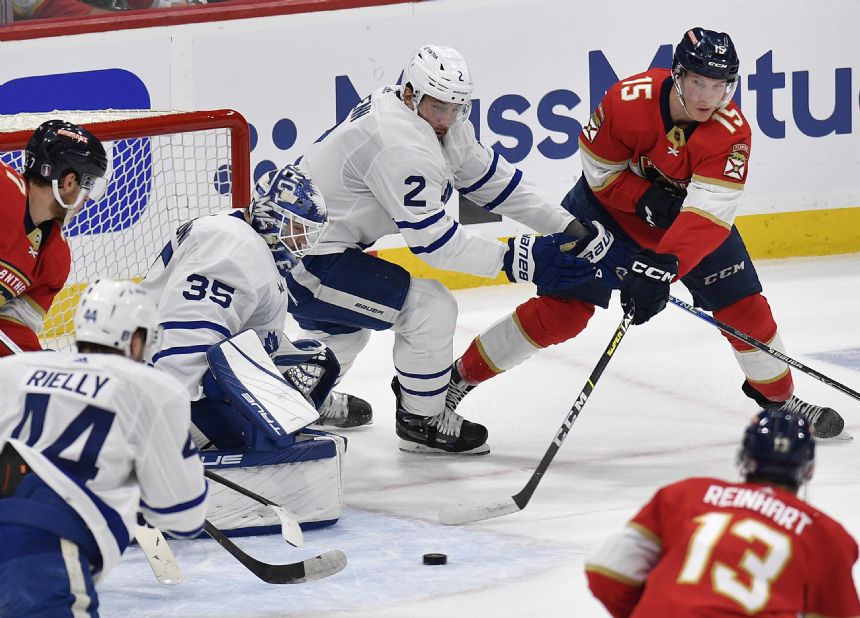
{"x":463,"y":513}
{"x":764,"y":347}
{"x":290,"y":529}
{"x":309,"y":570}
{"x":158,"y":554}
{"x":13,"y":347}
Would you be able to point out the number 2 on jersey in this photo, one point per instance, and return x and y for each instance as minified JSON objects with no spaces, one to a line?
{"x":93,"y":420}
{"x":724,"y":579}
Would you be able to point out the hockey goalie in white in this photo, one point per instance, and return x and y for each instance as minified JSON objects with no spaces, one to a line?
{"x":86,"y":441}
{"x":391,"y":166}
{"x":222,"y":304}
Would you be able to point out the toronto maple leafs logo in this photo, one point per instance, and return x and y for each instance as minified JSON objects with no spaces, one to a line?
{"x":271,"y":342}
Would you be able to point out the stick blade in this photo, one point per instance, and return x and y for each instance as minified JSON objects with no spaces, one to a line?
{"x":290,"y":529}
{"x":464,"y":513}
{"x":324,"y":565}
{"x":158,"y":554}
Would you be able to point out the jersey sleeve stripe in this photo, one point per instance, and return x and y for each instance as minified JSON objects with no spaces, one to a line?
{"x":707,"y":180}
{"x":179,"y":350}
{"x":166,"y":253}
{"x":420,"y":225}
{"x":437,"y":243}
{"x":195,"y":325}
{"x":12,"y":269}
{"x":515,"y":181}
{"x":424,"y":376}
{"x":176,"y":508}
{"x":483,"y":179}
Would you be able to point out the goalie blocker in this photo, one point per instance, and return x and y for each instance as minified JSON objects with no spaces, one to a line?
{"x":279,"y":457}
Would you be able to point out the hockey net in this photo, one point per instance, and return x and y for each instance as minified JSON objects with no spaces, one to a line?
{"x":166,"y":167}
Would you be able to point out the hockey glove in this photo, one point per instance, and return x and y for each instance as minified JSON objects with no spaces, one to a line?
{"x":542,"y":261}
{"x":645,"y":288}
{"x":660,"y":205}
{"x":597,"y":245}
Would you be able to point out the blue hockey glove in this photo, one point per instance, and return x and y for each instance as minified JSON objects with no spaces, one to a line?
{"x":542,"y":260}
{"x":660,"y":205}
{"x":597,"y":245}
{"x":645,"y":288}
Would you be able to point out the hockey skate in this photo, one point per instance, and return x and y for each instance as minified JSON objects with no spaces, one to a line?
{"x":826,"y":423}
{"x":457,"y":389}
{"x":447,"y":432}
{"x":344,"y":411}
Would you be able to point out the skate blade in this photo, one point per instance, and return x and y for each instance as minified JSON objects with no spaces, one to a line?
{"x":842,"y":437}
{"x":422,"y":449}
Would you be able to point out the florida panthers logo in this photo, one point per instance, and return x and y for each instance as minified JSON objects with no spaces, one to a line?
{"x":736,"y":166}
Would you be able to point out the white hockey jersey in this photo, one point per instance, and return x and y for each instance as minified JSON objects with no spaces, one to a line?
{"x":109,"y":435}
{"x":383,"y":170}
{"x":216,"y":278}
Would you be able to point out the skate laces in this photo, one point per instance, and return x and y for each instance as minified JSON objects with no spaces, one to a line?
{"x":335,"y":407}
{"x":458,"y":388}
{"x":810,"y":411}
{"x":447,"y":422}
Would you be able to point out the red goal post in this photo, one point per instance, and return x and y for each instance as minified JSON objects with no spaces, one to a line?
{"x":166,"y":167}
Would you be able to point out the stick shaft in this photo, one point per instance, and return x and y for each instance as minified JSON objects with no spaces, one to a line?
{"x":731,"y":330}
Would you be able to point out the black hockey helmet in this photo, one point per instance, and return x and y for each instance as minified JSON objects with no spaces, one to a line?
{"x":58,"y":147}
{"x":777,"y":447}
{"x":707,"y":53}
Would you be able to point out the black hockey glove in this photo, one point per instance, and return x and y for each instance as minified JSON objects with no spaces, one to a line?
{"x":660,"y":205}
{"x":542,"y":261}
{"x":645,"y":288}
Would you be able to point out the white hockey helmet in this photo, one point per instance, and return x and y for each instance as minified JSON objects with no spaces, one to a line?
{"x":440,"y":72}
{"x":288,"y":212}
{"x":110,"y":312}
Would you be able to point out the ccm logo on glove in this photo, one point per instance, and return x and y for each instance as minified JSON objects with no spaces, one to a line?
{"x":652,"y":272}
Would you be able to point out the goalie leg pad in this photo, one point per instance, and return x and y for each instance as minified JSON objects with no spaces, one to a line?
{"x":305,"y":478}
{"x":256,"y":389}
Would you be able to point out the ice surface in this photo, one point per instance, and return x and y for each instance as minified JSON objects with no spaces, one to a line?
{"x":669,"y":405}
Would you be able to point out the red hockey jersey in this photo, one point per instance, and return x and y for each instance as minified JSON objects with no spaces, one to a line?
{"x":707,"y":548}
{"x":630,"y":141}
{"x":34,"y":264}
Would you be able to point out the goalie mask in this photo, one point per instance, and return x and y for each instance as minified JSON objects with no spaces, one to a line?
{"x":289,"y":213}
{"x":58,"y":148}
{"x":110,"y":312}
{"x":777,"y":447}
{"x":441,"y":73}
{"x":711,"y":55}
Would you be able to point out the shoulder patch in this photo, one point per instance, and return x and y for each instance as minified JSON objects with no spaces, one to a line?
{"x":736,"y":165}
{"x":589,"y":131}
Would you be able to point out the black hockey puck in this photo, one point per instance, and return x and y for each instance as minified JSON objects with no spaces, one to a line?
{"x":435,"y":559}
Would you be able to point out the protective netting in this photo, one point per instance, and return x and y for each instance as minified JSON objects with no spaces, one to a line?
{"x":157,"y":182}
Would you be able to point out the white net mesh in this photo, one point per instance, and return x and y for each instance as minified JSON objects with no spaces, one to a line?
{"x":157,"y":182}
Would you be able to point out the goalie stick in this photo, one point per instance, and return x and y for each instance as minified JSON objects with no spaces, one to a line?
{"x":463,"y":513}
{"x":763,"y":347}
{"x":312,"y":569}
{"x":290,"y":529}
{"x":151,"y":540}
